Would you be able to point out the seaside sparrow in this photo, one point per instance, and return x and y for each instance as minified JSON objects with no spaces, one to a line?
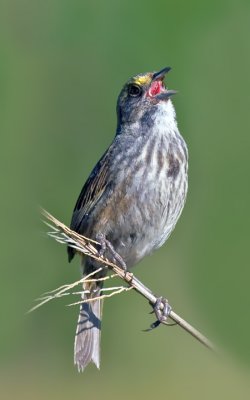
{"x":134,"y":195}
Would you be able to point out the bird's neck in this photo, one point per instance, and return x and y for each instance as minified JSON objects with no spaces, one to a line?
{"x":158,"y":120}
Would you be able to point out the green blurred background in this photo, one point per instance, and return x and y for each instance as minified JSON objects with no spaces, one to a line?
{"x":62,"y":64}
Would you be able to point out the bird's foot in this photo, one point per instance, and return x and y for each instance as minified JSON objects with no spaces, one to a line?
{"x":106,"y":245}
{"x":161,"y":314}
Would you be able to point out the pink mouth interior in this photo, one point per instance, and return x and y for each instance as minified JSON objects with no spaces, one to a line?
{"x":155,"y":88}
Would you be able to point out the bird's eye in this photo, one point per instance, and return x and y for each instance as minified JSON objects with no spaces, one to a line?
{"x":134,"y":90}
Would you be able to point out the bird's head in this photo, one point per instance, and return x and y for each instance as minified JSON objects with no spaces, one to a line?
{"x":141,"y":95}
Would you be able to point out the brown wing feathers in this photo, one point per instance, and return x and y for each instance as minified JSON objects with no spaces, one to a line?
{"x":89,"y":196}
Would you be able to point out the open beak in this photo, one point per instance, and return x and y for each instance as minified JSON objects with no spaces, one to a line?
{"x":159,"y":76}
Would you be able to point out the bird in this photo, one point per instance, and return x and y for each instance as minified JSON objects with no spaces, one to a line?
{"x":133,"y":197}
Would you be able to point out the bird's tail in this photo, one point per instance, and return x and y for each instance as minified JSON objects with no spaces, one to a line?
{"x":88,"y":331}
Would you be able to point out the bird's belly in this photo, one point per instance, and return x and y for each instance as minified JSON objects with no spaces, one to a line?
{"x":148,"y":219}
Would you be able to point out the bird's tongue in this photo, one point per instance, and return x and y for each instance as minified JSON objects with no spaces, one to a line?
{"x":155,"y":88}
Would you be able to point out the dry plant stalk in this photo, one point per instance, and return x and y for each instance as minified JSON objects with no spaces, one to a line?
{"x":64,"y":290}
{"x":62,"y":234}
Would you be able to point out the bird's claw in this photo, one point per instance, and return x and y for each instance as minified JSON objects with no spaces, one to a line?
{"x":105,"y":244}
{"x":161,"y":315}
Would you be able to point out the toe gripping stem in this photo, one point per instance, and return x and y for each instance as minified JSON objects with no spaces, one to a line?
{"x":161,"y":314}
{"x":105,"y":244}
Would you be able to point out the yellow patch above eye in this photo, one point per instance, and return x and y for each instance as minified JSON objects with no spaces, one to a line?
{"x":143,"y":79}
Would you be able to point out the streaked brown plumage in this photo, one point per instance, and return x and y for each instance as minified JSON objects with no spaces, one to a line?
{"x":134,"y":195}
